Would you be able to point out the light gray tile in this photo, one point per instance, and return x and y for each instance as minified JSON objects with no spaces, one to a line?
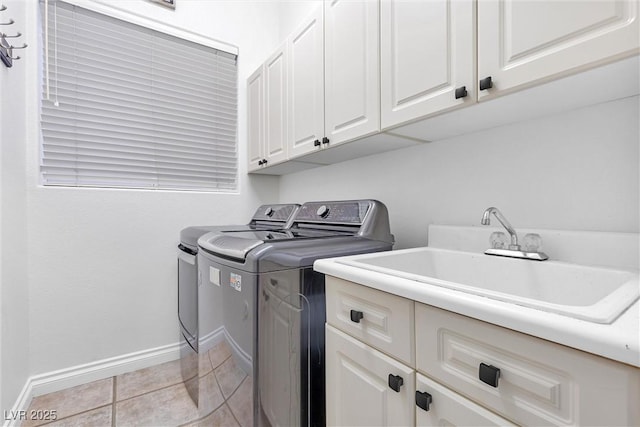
{"x":220,"y":418}
{"x":170,"y":406}
{"x":100,"y":417}
{"x":219,"y":353}
{"x":148,"y":379}
{"x":229,"y":375}
{"x":74,"y":400}
{"x":241,"y":403}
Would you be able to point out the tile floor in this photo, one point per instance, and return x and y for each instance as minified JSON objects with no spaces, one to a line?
{"x":156,"y":396}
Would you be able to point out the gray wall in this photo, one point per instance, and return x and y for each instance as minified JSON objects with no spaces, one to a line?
{"x":575,"y":171}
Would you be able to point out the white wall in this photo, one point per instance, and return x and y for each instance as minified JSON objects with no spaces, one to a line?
{"x":293,"y":12}
{"x":102,"y":266}
{"x":14,"y":320}
{"x":575,"y":171}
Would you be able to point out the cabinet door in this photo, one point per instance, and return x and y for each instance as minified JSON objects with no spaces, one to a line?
{"x":306,"y":85}
{"x":427,"y":52}
{"x":352,"y":91}
{"x":255,"y":118}
{"x":448,"y":408}
{"x":358,"y":393}
{"x":521,"y":42}
{"x":275,"y":70}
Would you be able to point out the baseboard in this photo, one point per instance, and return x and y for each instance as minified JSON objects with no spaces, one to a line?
{"x":70,"y":377}
{"x":50,"y":382}
{"x":22,"y":403}
{"x":82,"y":374}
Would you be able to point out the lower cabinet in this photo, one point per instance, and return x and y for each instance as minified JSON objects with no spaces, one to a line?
{"x":364,"y":386}
{"x":461,"y":371}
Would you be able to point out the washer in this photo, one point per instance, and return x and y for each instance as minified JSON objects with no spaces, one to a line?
{"x":194,"y":312}
{"x":273,"y":303}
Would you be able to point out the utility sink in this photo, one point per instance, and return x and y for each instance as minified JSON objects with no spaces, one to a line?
{"x":594,"y":294}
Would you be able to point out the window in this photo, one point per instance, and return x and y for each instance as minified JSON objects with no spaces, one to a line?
{"x":129,"y":107}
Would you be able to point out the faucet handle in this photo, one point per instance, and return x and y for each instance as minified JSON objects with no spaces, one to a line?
{"x":498,"y":240}
{"x":532,"y":242}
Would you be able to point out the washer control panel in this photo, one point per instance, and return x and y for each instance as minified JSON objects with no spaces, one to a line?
{"x":342,"y":212}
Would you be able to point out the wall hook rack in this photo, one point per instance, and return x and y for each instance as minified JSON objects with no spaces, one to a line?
{"x":6,"y":48}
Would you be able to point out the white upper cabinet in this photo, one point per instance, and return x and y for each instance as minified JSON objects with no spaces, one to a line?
{"x":255,"y":119}
{"x":352,"y":69}
{"x":427,"y":53}
{"x":524,"y":42}
{"x":275,"y":77}
{"x":267,"y":112}
{"x":306,"y":85}
{"x":356,"y":67}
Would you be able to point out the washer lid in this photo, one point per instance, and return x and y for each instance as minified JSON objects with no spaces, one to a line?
{"x":228,"y":245}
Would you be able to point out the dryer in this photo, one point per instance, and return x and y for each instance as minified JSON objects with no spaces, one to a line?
{"x":194,"y":302}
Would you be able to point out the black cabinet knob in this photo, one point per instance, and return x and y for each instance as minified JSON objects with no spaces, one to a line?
{"x":423,"y":400}
{"x":395,"y":382}
{"x":264,"y":161}
{"x":325,"y":140}
{"x":260,"y":162}
{"x":461,"y":92}
{"x":356,"y":316}
{"x":486,"y":83}
{"x":316,"y":143}
{"x":489,"y":374}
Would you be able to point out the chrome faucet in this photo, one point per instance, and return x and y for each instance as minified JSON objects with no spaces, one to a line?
{"x":486,"y":220}
{"x":514,"y":250}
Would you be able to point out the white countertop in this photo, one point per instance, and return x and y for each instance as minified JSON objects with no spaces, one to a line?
{"x":619,"y":340}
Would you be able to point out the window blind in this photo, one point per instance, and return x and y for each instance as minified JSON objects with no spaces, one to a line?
{"x":135,"y":108}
